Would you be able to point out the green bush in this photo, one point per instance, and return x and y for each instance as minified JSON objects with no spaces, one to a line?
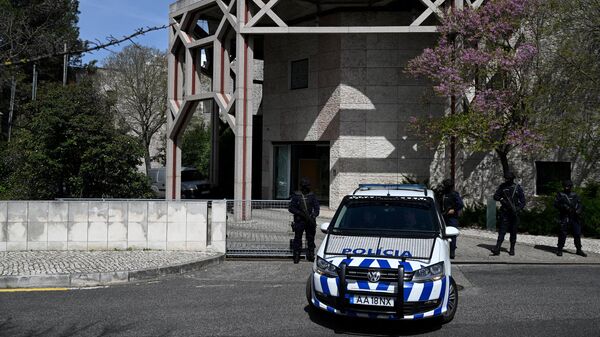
{"x":590,"y":196}
{"x":540,"y":220}
{"x":474,"y":216}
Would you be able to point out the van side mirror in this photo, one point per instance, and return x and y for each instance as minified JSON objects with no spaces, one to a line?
{"x":451,"y":232}
{"x":324,"y":227}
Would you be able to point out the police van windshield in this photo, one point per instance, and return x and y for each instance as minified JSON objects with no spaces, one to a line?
{"x":386,"y":217}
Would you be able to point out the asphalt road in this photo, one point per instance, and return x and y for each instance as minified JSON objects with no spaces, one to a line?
{"x":266,"y":298}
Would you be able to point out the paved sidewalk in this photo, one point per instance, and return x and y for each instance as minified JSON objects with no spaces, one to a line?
{"x":83,"y":268}
{"x":474,"y":246}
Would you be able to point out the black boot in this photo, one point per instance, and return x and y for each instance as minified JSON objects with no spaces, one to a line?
{"x":296,"y":257}
{"x":310,"y":255}
{"x":496,"y":250}
{"x":511,"y":252}
{"x":559,"y":252}
{"x":580,"y":253}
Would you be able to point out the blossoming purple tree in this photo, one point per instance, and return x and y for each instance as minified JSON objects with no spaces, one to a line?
{"x":484,"y":59}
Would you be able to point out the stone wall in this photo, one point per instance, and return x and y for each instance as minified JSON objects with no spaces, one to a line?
{"x":102,"y":225}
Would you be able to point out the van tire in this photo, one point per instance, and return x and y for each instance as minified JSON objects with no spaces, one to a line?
{"x":309,"y":291}
{"x":452,"y":303}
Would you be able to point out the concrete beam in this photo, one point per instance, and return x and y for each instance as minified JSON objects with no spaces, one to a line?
{"x":266,"y":9}
{"x":178,"y":125}
{"x":431,"y":8}
{"x":202,"y":42}
{"x":184,"y":6}
{"x":339,"y":30}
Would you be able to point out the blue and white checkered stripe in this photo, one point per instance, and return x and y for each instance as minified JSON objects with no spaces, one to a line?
{"x":351,"y":313}
{"x":423,"y":291}
{"x":428,"y":291}
{"x":366,"y":262}
{"x":326,"y":285}
{"x":413,"y":291}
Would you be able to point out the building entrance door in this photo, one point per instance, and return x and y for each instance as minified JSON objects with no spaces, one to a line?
{"x":293,"y":161}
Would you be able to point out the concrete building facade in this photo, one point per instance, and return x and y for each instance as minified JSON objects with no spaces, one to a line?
{"x":322,"y":83}
{"x":356,"y":106}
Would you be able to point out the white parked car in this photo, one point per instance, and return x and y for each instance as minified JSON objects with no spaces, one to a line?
{"x":386,"y":255}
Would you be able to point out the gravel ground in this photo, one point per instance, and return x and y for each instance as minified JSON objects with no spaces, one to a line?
{"x":588,"y":245}
{"x":66,"y":262}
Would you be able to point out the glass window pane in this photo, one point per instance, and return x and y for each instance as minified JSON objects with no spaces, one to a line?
{"x":282,"y":171}
{"x":299,"y":74}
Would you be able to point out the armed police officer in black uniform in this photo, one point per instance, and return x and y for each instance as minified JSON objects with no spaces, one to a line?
{"x":512,"y":200}
{"x":451,"y":204}
{"x":305,"y":207}
{"x":570,"y":210}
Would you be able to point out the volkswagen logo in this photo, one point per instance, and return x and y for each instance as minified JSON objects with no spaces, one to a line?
{"x":373,"y":276}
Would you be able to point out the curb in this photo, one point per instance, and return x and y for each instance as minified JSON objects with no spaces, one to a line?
{"x":464,"y":263}
{"x":107,"y":278}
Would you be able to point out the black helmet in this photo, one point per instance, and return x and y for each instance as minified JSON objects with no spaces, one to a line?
{"x":509,"y":176}
{"x":448,"y":184}
{"x":567,"y":183}
{"x":304,"y":183}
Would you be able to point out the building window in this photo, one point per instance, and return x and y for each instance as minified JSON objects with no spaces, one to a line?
{"x":299,"y":74}
{"x":549,"y":175}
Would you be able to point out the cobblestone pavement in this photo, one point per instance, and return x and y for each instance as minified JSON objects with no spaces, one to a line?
{"x":67,"y":262}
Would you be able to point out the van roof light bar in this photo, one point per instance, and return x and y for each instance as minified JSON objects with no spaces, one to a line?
{"x":402,"y":187}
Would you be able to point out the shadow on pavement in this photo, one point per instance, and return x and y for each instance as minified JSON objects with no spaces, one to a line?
{"x":367,"y":327}
{"x":551,"y":249}
{"x":490,"y":247}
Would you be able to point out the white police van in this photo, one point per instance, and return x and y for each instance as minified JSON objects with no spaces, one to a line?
{"x":385,"y":255}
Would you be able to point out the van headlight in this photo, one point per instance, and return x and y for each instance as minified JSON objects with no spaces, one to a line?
{"x":324,"y":267}
{"x":431,"y":273}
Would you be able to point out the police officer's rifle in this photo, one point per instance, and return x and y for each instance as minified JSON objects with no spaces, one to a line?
{"x":305,"y":214}
{"x":452,"y":204}
{"x":574,"y":210}
{"x":509,"y":200}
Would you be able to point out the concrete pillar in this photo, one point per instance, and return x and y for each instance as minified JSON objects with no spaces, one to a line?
{"x":218,"y":229}
{"x":214,"y":149}
{"x":243,"y":113}
{"x":173,"y":176}
{"x":173,"y":169}
{"x":220,"y":77}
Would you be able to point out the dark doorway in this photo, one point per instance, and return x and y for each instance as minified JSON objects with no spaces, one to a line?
{"x":293,"y":161}
{"x":549,"y":175}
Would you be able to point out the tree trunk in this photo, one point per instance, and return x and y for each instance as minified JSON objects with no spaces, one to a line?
{"x":503,"y":155}
{"x":147,"y":159}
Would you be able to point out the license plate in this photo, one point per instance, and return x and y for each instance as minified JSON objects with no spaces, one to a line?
{"x":372,"y":300}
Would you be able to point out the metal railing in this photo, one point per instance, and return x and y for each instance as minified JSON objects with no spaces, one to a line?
{"x":259,"y":228}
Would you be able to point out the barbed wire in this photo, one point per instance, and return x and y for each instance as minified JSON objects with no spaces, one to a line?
{"x":88,"y":46}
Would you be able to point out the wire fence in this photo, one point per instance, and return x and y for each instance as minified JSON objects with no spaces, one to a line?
{"x":259,"y":228}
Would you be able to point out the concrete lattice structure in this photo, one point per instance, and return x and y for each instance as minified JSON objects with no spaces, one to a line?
{"x":357,"y":100}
